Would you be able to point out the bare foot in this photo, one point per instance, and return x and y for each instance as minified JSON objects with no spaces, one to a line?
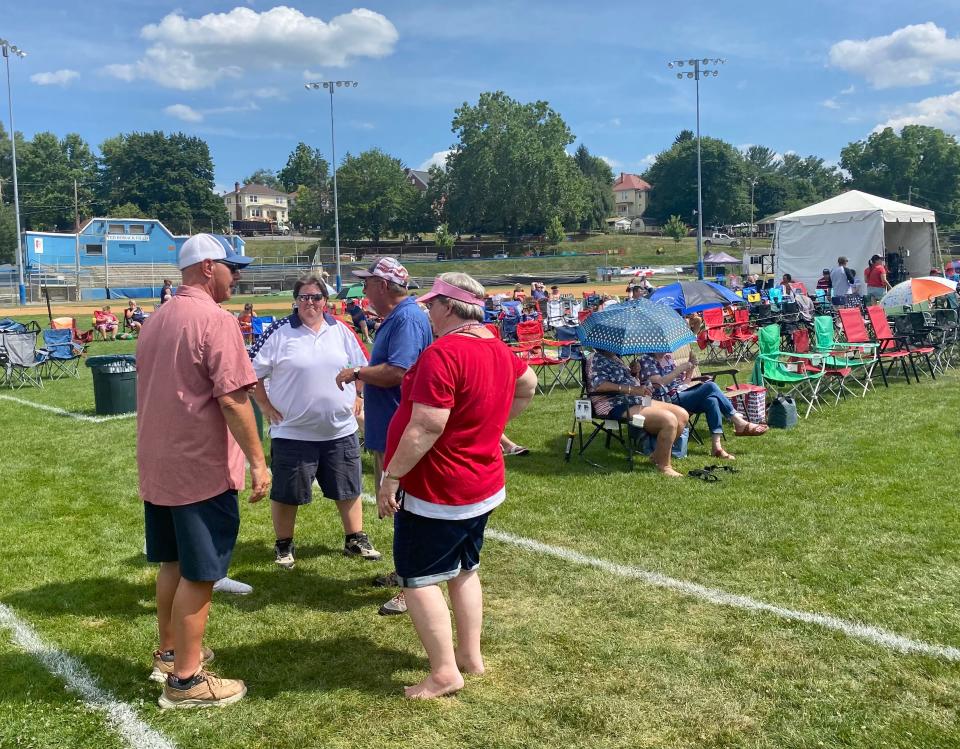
{"x":723,"y":454}
{"x":431,"y":688}
{"x":668,"y":471}
{"x":470,"y":665}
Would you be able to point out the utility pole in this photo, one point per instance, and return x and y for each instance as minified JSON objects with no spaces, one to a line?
{"x":696,"y":74}
{"x":7,"y":48}
{"x":753,"y":183}
{"x":910,"y":195}
{"x":76,"y":236}
{"x":330,"y":85}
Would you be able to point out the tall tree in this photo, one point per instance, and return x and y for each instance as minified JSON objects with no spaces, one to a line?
{"x":305,"y":166}
{"x":760,"y":160}
{"x":599,"y":185}
{"x":674,"y":176}
{"x":46,"y":170}
{"x":509,"y":171}
{"x":169,"y":177}
{"x":373,"y":195}
{"x":265,"y":177}
{"x":8,"y":233}
{"x":919,"y":161}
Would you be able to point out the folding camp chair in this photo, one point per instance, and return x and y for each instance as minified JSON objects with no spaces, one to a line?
{"x":258,"y":325}
{"x":618,"y":430}
{"x":887,"y":340}
{"x":855,"y":331}
{"x":859,"y":358}
{"x":800,"y":375}
{"x":23,"y":364}
{"x":70,"y":323}
{"x":509,"y":319}
{"x":541,"y":355}
{"x":554,"y":313}
{"x":744,"y":337}
{"x":925,"y":330}
{"x":62,"y":353}
{"x":714,"y":338}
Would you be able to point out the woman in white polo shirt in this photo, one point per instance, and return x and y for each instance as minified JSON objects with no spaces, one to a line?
{"x":313,"y":422}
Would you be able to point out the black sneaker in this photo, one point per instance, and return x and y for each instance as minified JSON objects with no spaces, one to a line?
{"x":284,"y":555}
{"x":358,"y":545}
{"x":390,"y":580}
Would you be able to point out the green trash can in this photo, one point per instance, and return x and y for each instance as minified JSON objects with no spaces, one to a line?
{"x":114,"y":384}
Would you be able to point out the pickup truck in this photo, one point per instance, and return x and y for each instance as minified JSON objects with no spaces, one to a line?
{"x":720,"y":239}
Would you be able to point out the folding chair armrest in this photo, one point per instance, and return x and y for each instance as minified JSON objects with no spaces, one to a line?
{"x":713,"y":374}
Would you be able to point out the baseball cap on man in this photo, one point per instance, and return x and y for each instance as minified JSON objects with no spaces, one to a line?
{"x":210,"y":247}
{"x":387,"y":268}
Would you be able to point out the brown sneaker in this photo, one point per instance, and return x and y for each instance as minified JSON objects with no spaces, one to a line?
{"x":204,"y":689}
{"x":163,"y":664}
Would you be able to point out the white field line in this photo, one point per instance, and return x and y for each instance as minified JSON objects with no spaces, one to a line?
{"x":63,"y":412}
{"x":120,"y":715}
{"x":856,"y":630}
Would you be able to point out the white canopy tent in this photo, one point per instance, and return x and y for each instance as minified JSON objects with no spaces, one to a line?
{"x":856,"y":225}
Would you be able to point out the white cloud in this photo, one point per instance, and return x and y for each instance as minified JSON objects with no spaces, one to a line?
{"x":438,"y":159}
{"x":612,"y":163}
{"x":848,"y":90}
{"x":56,"y":78}
{"x":309,"y":75}
{"x":647,"y":161}
{"x":937,"y":111}
{"x":363,"y":125}
{"x":194,"y":53}
{"x":830,"y":104}
{"x":183,"y":112}
{"x":615,"y":122}
{"x":912,"y":56}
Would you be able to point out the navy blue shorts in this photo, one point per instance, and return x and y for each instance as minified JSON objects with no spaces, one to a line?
{"x":335,"y":464}
{"x":428,"y":551}
{"x":200,"y":536}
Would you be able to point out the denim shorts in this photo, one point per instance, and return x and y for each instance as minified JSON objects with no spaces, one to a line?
{"x":200,"y":536}
{"x":335,"y":464}
{"x":428,"y":551}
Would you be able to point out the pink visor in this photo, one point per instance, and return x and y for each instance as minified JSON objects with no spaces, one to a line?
{"x":442,"y":288}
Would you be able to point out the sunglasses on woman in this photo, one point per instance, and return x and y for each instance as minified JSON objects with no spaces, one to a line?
{"x":315,"y":298}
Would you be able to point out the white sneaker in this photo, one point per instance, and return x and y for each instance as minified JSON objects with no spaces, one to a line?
{"x":229,"y":585}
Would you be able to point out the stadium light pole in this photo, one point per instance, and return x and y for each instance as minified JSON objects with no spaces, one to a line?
{"x":9,"y":49}
{"x":330,"y":86}
{"x":699,"y":69}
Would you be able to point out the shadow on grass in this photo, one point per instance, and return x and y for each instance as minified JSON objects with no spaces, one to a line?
{"x":104,"y":597}
{"x":549,"y":461}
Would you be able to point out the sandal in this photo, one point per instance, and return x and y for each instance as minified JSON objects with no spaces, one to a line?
{"x":728,"y":469}
{"x":703,"y":475}
{"x":752,"y":430}
{"x":517,"y":450}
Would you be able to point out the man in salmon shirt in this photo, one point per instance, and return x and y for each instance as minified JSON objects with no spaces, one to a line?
{"x":195,"y":425}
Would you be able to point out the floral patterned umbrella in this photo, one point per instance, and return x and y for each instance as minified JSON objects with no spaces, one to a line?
{"x":638,"y":326}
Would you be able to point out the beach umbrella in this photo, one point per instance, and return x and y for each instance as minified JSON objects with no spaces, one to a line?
{"x":694,"y":296}
{"x":351,"y":292}
{"x":917,"y":290}
{"x":638,"y":326}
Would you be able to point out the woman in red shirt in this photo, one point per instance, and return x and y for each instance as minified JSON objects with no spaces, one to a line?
{"x":876,"y":278}
{"x":444,"y":474}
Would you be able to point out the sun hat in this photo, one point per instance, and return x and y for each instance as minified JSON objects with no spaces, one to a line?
{"x":209,"y":247}
{"x":387,"y":268}
{"x":442,"y":288}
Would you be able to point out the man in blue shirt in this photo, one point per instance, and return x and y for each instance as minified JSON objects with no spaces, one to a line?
{"x":403,"y":334}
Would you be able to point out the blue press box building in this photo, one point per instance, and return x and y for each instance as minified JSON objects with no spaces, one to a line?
{"x":109,"y":244}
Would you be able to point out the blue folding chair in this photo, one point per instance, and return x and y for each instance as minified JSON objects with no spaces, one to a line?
{"x":511,"y":318}
{"x":63,"y":353}
{"x":259,"y":324}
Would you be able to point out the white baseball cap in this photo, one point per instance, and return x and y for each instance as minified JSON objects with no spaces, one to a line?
{"x":210,"y":247}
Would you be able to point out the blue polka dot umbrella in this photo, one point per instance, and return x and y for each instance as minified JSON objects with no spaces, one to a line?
{"x":636,"y":327}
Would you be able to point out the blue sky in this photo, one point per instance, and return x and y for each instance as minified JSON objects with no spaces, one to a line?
{"x":807,"y":77}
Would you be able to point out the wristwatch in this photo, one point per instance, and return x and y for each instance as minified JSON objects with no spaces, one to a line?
{"x":356,"y":373}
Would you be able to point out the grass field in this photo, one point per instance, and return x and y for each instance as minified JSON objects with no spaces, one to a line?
{"x":852,"y":514}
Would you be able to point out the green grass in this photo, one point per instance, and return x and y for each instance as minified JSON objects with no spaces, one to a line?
{"x":852,"y":513}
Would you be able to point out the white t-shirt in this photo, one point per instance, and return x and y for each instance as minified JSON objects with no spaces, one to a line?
{"x":300,"y":367}
{"x":839,"y":282}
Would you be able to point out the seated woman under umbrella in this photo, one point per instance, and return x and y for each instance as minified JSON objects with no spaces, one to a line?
{"x":619,"y":395}
{"x":673,"y":384}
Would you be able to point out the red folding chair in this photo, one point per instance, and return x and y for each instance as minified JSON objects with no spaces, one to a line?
{"x":714,"y":337}
{"x":886,"y":338}
{"x":743,"y":335}
{"x":541,"y":355}
{"x":855,"y":331}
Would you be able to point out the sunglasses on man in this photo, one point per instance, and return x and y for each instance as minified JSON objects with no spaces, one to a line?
{"x":233,"y":268}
